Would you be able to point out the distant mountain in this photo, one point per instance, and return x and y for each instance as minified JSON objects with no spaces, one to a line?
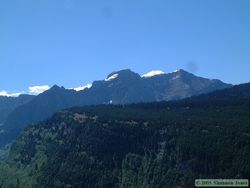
{"x":125,"y":87}
{"x":8,"y":104}
{"x":181,"y":84}
{"x":148,"y":145}
{"x":121,"y":87}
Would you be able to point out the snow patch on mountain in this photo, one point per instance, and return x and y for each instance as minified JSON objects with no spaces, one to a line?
{"x":83,"y":87}
{"x":111,"y":77}
{"x":35,"y":90}
{"x":6,"y":94}
{"x":153,"y":73}
{"x":177,"y":70}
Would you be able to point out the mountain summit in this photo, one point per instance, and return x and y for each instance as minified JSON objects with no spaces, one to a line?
{"x":119,"y":87}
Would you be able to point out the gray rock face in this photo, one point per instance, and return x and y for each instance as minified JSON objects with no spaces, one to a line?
{"x":181,"y":84}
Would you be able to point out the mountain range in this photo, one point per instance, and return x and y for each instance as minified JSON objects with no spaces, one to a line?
{"x":120,"y":87}
{"x":146,"y":145}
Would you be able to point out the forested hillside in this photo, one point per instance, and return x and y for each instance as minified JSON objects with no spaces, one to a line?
{"x":154,"y":145}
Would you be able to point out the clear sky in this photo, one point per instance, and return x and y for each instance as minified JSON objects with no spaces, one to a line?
{"x":73,"y":42}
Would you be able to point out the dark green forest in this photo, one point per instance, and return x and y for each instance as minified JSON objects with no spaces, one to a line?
{"x":151,"y":145}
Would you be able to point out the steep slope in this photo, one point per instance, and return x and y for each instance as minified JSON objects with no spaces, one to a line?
{"x":8,"y":104}
{"x":121,"y":87}
{"x":181,"y":84}
{"x":39,"y":108}
{"x":154,"y":145}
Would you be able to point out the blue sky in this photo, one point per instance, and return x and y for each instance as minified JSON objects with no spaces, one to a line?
{"x":73,"y":42}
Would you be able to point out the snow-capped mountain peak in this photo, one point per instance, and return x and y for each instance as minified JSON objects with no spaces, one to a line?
{"x":153,"y":73}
